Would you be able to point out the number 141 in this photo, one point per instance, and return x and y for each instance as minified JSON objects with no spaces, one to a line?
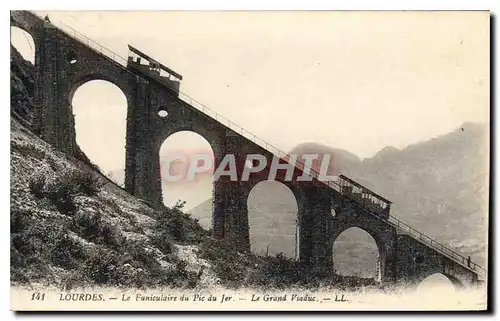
{"x":38,"y":296}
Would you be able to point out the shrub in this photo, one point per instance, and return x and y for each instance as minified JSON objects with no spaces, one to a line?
{"x":163,"y":241}
{"x":52,"y":163}
{"x":173,"y":224}
{"x":62,"y":190}
{"x":92,"y":227}
{"x":278,"y":272}
{"x":28,"y":237}
{"x":101,"y":265}
{"x":85,"y":182}
{"x":74,"y":182}
{"x":79,"y":182}
{"x":183,"y":278}
{"x":141,"y":267}
{"x":138,"y":252}
{"x":19,"y":220}
{"x":36,"y":244}
{"x":111,"y":203}
{"x":62,"y":196}
{"x":231,"y":267}
{"x":67,"y":252}
{"x":135,"y":268}
{"x":27,"y":150}
{"x":36,"y":186}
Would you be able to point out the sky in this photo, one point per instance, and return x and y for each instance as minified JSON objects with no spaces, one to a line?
{"x":359,"y":81}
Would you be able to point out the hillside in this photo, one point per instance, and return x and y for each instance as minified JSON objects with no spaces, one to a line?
{"x":439,"y":187}
{"x":69,"y":226}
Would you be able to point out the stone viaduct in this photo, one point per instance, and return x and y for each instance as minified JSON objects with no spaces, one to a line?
{"x":64,"y":61}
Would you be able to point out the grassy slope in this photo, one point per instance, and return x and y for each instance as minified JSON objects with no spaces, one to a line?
{"x":70,"y":226}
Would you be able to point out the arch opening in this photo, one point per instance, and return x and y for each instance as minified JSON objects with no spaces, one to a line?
{"x":100,"y":111}
{"x":24,"y":43}
{"x":273,"y":220}
{"x":72,"y":58}
{"x":186,"y":166}
{"x":162,"y":112}
{"x":439,"y":283}
{"x":356,"y":253}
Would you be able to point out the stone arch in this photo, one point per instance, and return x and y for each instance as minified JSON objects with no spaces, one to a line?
{"x":28,"y":22}
{"x":31,"y":24}
{"x":366,"y":236}
{"x":177,"y":154}
{"x":150,"y":130}
{"x":88,"y":112}
{"x":81,"y":64}
{"x":273,"y":218}
{"x":168,"y":131}
{"x":24,"y":42}
{"x":80,"y":81}
{"x":349,"y":215}
{"x":455,"y":282}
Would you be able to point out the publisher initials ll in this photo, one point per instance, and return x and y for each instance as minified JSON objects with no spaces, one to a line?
{"x":341,"y":299}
